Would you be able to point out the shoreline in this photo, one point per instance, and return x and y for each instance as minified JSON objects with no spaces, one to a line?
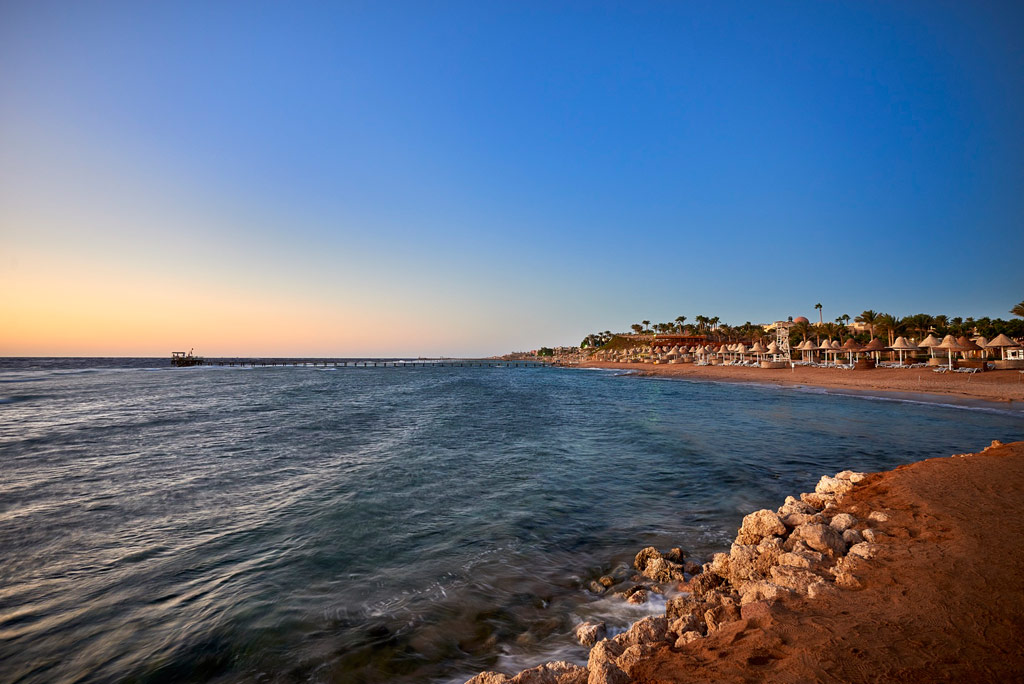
{"x":905,"y":575}
{"x":1005,"y":388}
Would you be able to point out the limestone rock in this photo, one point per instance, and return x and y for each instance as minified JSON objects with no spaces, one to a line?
{"x":557,"y":672}
{"x":848,"y":580}
{"x":864,"y":550}
{"x":662,"y":570}
{"x":720,"y":564}
{"x":589,"y":633}
{"x":806,"y":559}
{"x":719,"y":615}
{"x":852,"y":537}
{"x":634,"y":655}
{"x":607,"y":673}
{"x":758,"y":525}
{"x":793,"y":520}
{"x":637,"y":597}
{"x":684,"y":624}
{"x":794,"y":505}
{"x":606,"y":581}
{"x":596,"y":587}
{"x":701,"y":584}
{"x":797,"y":579}
{"x":686,"y":638}
{"x":604,"y":652}
{"x":817,"y":500}
{"x":820,"y":588}
{"x":644,"y":556}
{"x":871,"y":535}
{"x":691,"y":568}
{"x":649,"y":630}
{"x":879,"y":516}
{"x":742,"y":562}
{"x":857,"y":477}
{"x":675,"y":554}
{"x":490,"y":678}
{"x":762,"y":591}
{"x":833,"y":485}
{"x":820,"y":538}
{"x":842,"y":522}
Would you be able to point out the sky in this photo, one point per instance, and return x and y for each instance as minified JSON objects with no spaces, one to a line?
{"x":472,"y":178}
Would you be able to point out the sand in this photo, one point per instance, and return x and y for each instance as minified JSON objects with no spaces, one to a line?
{"x":942,"y":601}
{"x":1001,"y":386}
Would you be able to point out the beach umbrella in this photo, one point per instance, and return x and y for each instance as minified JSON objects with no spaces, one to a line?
{"x":950,"y":344}
{"x":758,"y":349}
{"x":968,"y":345}
{"x":874,"y":346}
{"x":741,"y":350}
{"x":851,"y":347}
{"x":901,"y":345}
{"x":929,"y":343}
{"x":1002,"y":341}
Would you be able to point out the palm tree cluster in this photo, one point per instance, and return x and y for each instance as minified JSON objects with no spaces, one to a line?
{"x":878,"y":324}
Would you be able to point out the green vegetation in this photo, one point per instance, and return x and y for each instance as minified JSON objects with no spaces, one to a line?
{"x":545,"y":351}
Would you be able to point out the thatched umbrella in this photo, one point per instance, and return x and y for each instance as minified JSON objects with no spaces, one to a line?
{"x":826,"y":348}
{"x":741,"y":350}
{"x":851,"y":347}
{"x":901,"y":345}
{"x":758,"y":349}
{"x":968,"y":345}
{"x":930,"y":343}
{"x":874,"y":346}
{"x":982,"y":342}
{"x":950,"y":344}
{"x":1002,"y":341}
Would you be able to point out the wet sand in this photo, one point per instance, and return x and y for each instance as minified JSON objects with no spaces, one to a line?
{"x":1002,"y":386}
{"x":943,"y":600}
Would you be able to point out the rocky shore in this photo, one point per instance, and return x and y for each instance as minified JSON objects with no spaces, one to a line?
{"x":851,"y":582}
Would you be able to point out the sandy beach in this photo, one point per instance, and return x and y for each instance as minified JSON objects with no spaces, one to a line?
{"x":925,"y":584}
{"x":1002,"y":386}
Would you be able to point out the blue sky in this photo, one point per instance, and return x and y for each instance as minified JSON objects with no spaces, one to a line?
{"x":473,"y":178}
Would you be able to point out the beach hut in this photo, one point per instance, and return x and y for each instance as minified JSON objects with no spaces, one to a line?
{"x":929,"y":343}
{"x":950,"y":344}
{"x":1003,"y":342}
{"x":901,"y":345}
{"x":982,"y":342}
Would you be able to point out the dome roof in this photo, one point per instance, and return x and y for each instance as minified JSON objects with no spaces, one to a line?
{"x":801,"y":319}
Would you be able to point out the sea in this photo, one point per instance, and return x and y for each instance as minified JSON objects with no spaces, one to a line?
{"x":411,"y":524}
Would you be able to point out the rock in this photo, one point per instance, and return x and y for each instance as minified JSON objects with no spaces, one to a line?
{"x":595,"y":587}
{"x":682,"y":625}
{"x":637,"y":597}
{"x":817,"y":501}
{"x":675,"y":554}
{"x":842,"y":522}
{"x":797,"y":579}
{"x":793,"y":520}
{"x":820,"y":538}
{"x":701,"y":584}
{"x":644,"y":556}
{"x":557,"y":672}
{"x":490,"y":678}
{"x":819,"y":589}
{"x":852,"y":537}
{"x":808,"y":560}
{"x":589,"y":633}
{"x":742,"y":562}
{"x":606,"y":581}
{"x":684,"y":606}
{"x":719,"y":615}
{"x":607,"y":673}
{"x":686,"y":638}
{"x":762,"y":591}
{"x":768,"y":552}
{"x":635,"y":655}
{"x":857,"y":477}
{"x":833,"y":485}
{"x":720,"y":564}
{"x":847,"y":580}
{"x":872,"y":535}
{"x":864,"y":550}
{"x":794,"y":505}
{"x":649,"y":630}
{"x":661,"y":570}
{"x":604,"y":652}
{"x":691,"y":568}
{"x":878,"y":516}
{"x":758,"y":525}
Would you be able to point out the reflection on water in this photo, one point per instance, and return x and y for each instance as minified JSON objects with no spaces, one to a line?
{"x":292,"y":524}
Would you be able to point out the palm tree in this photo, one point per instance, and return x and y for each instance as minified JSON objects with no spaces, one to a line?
{"x":701,"y":322}
{"x":637,"y":328}
{"x":818,"y":307}
{"x":889,"y":324}
{"x":1018,"y":310}
{"x":868,"y":317}
{"x":680,"y":320}
{"x":647,"y":326}
{"x":714,"y":322}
